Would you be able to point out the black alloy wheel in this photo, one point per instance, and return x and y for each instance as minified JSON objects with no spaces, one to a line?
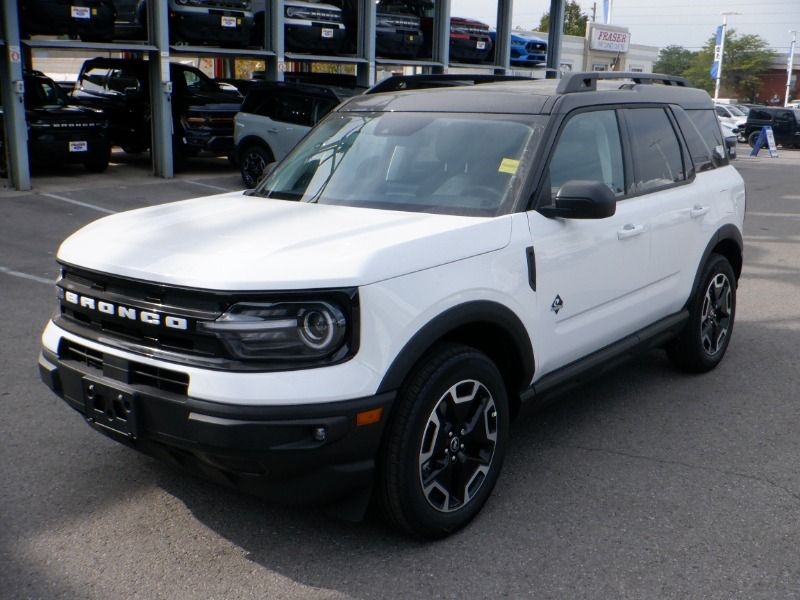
{"x":702,"y":344}
{"x":253,"y":160}
{"x":445,"y":443}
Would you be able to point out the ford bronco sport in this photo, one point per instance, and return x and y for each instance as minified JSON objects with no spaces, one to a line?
{"x":369,"y":319}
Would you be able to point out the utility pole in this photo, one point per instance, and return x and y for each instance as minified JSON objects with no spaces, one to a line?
{"x":722,"y":51}
{"x":789,"y":67}
{"x":594,"y":12}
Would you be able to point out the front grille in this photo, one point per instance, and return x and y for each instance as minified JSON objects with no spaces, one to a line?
{"x":129,"y":372}
{"x":123,"y":309}
{"x":237,"y":4}
{"x":535,"y":47}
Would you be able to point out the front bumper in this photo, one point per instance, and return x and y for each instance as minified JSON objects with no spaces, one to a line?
{"x":201,"y":26}
{"x":464,"y":48}
{"x":274,"y":451}
{"x":301,"y":37}
{"x":216,"y":141}
{"x":48,"y":148}
{"x":53,"y":17}
{"x":392,"y":43}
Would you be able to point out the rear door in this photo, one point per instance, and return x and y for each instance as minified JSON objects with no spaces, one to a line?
{"x":590,"y":273}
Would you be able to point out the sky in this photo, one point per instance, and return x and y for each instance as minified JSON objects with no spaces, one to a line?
{"x":661,"y":23}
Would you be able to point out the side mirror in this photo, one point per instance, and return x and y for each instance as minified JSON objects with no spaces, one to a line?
{"x":579,"y":199}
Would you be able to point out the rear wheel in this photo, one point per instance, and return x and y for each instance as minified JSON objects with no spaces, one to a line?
{"x":753,"y":138}
{"x":253,"y":160}
{"x":445,"y":445}
{"x":702,"y":344}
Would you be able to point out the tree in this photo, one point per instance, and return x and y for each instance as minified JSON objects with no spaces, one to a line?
{"x":746,"y":58}
{"x":673,"y":60}
{"x":574,"y":21}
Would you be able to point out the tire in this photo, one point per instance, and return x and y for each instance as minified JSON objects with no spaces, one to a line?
{"x":253,"y":160}
{"x":133,"y":148}
{"x":444,"y":446}
{"x":98,"y":162}
{"x":752,"y":138}
{"x":702,"y":344}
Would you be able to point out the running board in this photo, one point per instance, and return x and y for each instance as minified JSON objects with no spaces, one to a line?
{"x":584,"y":369}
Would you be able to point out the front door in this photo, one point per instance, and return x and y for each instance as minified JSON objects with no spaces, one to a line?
{"x":590,"y":273}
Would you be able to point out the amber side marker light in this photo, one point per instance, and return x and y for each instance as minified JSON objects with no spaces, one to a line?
{"x":368,"y":417}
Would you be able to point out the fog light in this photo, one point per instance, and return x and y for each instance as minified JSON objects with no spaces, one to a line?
{"x":320,"y":434}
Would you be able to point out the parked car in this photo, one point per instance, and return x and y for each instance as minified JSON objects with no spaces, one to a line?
{"x":785,"y":123}
{"x":59,"y":132}
{"x":274,"y":117}
{"x":730,"y":114}
{"x":200,"y":22}
{"x":367,"y":322}
{"x":310,"y":26}
{"x":470,"y":41}
{"x":526,"y":50}
{"x":398,"y":29}
{"x":731,"y":136}
{"x":202,"y":113}
{"x":89,"y":20}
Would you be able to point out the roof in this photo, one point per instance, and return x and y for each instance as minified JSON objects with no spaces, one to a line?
{"x":543,"y":96}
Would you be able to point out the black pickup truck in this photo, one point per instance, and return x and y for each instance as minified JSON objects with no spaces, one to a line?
{"x":202,"y":113}
{"x":59,"y":132}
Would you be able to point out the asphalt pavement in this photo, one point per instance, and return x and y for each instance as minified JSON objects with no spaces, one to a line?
{"x":648,"y":483}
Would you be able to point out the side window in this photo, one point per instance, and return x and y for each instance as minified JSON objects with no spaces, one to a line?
{"x":95,"y":79}
{"x":295,"y":109}
{"x":589,"y":148}
{"x":759,"y":115}
{"x":322,"y":107}
{"x":703,"y":137}
{"x":657,"y":156}
{"x":783,"y":116}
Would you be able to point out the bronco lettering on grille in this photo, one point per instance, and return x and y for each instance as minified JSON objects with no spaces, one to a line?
{"x":126,"y":312}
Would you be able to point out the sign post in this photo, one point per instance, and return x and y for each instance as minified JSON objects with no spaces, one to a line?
{"x":766,"y":137}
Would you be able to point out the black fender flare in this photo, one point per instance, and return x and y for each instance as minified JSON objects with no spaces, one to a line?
{"x":474,"y":312}
{"x":726,"y":232}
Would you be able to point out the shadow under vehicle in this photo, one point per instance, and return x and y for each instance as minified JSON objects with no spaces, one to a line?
{"x":202,"y":113}
{"x":89,"y":20}
{"x":59,"y":132}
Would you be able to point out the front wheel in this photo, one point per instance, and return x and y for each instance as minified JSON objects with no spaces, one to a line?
{"x":702,"y":344}
{"x":753,"y":138}
{"x":98,"y":162}
{"x":252,"y":161}
{"x":445,"y":444}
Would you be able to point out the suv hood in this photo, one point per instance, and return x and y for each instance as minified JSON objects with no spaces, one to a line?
{"x":238,"y":242}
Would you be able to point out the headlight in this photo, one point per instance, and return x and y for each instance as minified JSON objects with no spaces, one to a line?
{"x":296,"y":13}
{"x":281,"y":330}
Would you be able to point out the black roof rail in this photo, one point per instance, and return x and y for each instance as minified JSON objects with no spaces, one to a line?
{"x":587,"y":82}
{"x":418,"y":82}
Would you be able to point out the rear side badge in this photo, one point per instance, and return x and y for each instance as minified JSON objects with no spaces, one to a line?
{"x":557,"y":304}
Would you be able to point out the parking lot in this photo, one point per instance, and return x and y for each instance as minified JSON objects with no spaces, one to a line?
{"x":647,"y":483}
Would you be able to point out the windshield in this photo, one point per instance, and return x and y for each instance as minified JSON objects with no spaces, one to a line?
{"x":460,"y":164}
{"x":43,"y":92}
{"x":735,"y":111}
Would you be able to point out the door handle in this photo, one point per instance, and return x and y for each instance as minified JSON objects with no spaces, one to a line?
{"x":630,"y":230}
{"x":699,"y":211}
{"x":272,"y":130}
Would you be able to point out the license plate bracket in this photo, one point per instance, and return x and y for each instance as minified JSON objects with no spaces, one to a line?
{"x":481,"y":45}
{"x":327,"y":32}
{"x":228,"y":22}
{"x":111,"y":408}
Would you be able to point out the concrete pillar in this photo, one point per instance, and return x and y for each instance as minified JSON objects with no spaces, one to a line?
{"x":366,"y":42}
{"x":274,"y":20}
{"x":505,"y":10}
{"x":441,"y":34}
{"x":16,"y":127}
{"x":554,"y":38}
{"x":160,"y":91}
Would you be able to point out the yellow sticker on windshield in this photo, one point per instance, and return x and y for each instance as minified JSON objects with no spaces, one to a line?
{"x":508,"y":165}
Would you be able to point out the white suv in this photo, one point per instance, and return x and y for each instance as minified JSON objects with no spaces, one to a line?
{"x":367,"y":321}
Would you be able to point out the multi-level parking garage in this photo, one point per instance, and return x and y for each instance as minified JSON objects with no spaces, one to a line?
{"x":364,"y":38}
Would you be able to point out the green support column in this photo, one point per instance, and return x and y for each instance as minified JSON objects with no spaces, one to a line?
{"x":505,"y":9}
{"x":366,"y":43}
{"x":13,"y":96}
{"x":161,"y":147}
{"x":274,"y":20}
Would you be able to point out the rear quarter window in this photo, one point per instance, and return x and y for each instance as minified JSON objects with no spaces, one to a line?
{"x":703,"y":137}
